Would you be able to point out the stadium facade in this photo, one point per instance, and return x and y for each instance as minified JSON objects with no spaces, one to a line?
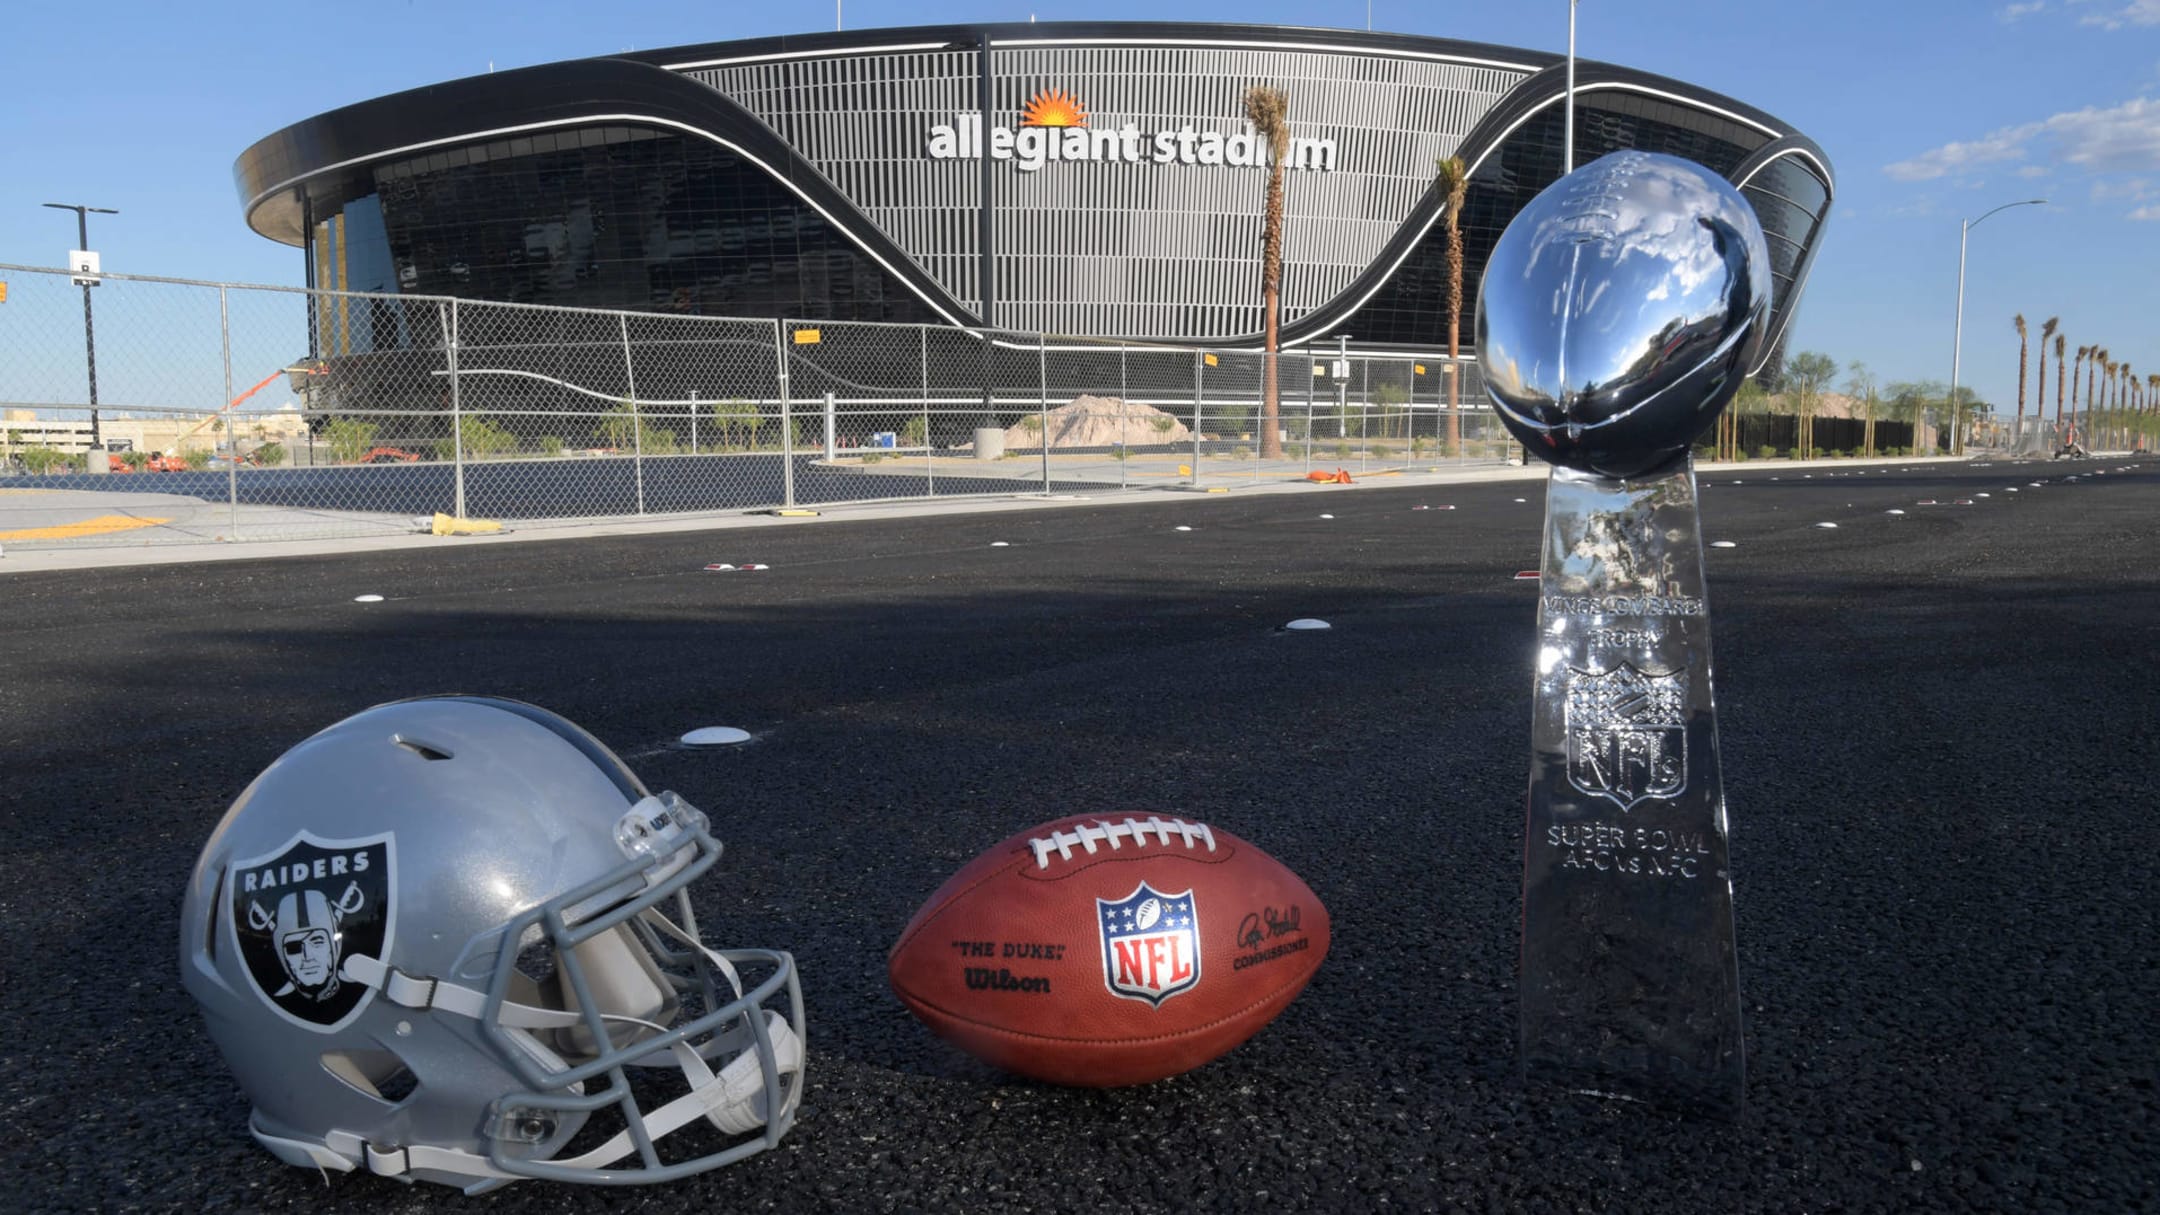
{"x":1091,"y":180}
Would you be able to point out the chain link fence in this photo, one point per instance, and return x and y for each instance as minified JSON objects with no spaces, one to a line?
{"x":182,"y":411}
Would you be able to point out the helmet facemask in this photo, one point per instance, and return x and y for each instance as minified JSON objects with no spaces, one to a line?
{"x":613,"y":1016}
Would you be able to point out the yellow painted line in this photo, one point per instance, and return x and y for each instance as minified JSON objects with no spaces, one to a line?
{"x":29,"y":491}
{"x":102,"y":525}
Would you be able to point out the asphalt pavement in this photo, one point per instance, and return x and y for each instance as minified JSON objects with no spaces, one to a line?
{"x":1937,"y":739}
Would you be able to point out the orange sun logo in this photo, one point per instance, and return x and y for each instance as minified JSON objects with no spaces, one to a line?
{"x":1053,"y":108}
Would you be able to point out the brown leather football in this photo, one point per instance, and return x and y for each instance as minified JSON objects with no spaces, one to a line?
{"x":1104,"y":950}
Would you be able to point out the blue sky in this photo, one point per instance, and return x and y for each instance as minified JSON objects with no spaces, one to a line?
{"x":1931,"y":110}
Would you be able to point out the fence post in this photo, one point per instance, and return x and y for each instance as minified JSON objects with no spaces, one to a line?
{"x":637,"y":428}
{"x":1198,"y":366}
{"x":1364,"y":414}
{"x":693,"y":421}
{"x":1341,"y":374}
{"x":232,"y":470}
{"x":1124,"y":418}
{"x":1309,"y":378}
{"x":448,"y":316}
{"x":787,"y":421}
{"x":832,"y":437}
{"x":1042,"y":402}
{"x":929,"y":444}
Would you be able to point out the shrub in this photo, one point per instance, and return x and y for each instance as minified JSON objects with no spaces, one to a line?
{"x":348,"y":438}
{"x":549,"y":445}
{"x":1342,"y":451}
{"x":916,"y":431}
{"x":1766,"y":452}
{"x":134,"y":459}
{"x":270,"y":453}
{"x":485,"y":437}
{"x":196,"y":460}
{"x":43,"y":460}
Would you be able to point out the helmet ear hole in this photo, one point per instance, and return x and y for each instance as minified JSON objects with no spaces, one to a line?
{"x":372,"y":1073}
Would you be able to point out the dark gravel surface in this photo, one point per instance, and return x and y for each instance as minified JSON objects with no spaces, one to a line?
{"x":1939,"y":735}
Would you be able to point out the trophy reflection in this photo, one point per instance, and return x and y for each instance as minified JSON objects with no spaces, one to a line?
{"x":1618,"y":314}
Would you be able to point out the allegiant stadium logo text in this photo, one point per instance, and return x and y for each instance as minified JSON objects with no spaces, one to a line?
{"x":1053,"y":127}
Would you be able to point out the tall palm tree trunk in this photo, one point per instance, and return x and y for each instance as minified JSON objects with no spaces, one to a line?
{"x":1455,"y":184}
{"x":2040,"y":407}
{"x":2019,"y":321}
{"x":1268,"y":111}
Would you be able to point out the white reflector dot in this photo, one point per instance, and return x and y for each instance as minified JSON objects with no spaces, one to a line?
{"x":715,"y":736}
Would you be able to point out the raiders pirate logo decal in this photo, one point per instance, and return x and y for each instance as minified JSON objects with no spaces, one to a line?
{"x":298,"y":913}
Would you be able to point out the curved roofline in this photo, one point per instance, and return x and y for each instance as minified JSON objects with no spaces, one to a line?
{"x":1536,"y":93}
{"x":648,"y":88}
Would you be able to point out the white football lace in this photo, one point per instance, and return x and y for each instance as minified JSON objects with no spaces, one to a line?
{"x":1115,"y":834}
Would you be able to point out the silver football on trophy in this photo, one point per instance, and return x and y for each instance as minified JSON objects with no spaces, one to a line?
{"x":1620,"y":311}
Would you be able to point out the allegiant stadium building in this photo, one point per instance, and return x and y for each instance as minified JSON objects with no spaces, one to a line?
{"x":1088,"y":180}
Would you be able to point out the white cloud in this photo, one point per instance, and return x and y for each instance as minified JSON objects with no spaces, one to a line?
{"x":2137,"y":189}
{"x":2124,"y":138}
{"x":2032,"y":171}
{"x":2015,"y":11}
{"x":2137,"y":12}
{"x":2151,"y":213}
{"x":2006,"y":144}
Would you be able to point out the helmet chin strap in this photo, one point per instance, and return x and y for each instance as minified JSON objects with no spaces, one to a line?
{"x":733,"y":1099}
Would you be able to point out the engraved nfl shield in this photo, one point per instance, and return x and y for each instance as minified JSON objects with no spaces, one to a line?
{"x":295,"y":914}
{"x":1626,"y":734}
{"x":1150,"y":944}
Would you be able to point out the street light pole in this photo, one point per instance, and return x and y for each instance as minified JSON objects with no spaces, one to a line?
{"x":1567,"y":152}
{"x":1957,"y":339}
{"x":82,"y":235}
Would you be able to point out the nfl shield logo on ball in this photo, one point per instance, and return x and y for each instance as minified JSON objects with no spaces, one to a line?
{"x":1150,"y":944}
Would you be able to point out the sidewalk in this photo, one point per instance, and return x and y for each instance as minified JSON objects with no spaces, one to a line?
{"x":121,"y":528}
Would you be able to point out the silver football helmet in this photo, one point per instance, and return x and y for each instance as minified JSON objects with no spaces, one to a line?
{"x":433,"y":942}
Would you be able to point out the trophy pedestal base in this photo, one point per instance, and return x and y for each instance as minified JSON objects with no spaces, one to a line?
{"x":1630,"y":982}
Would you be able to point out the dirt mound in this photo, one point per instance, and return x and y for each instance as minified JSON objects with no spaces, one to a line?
{"x":1091,"y":421}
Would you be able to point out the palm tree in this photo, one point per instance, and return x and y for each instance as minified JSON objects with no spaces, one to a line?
{"x":2047,"y":330}
{"x":1269,"y":112}
{"x":1454,"y":180}
{"x":2092,"y":370}
{"x":2077,"y":373}
{"x":2058,"y":385}
{"x":2019,"y":321}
